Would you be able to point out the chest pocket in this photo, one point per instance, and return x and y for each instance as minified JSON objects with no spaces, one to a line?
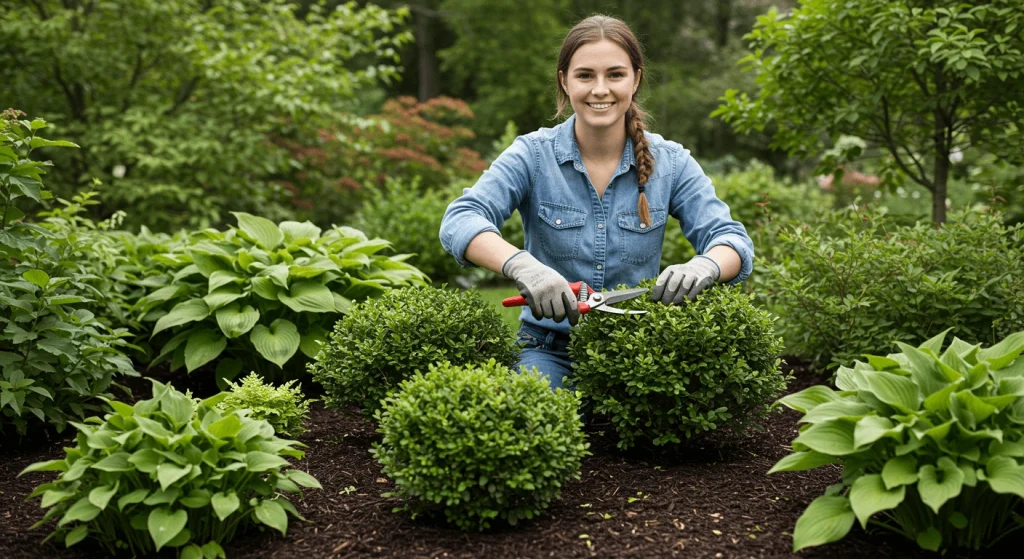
{"x":639,"y":242}
{"x":560,"y":230}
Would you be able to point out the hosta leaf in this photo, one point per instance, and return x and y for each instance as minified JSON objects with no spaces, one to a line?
{"x":799,"y":461}
{"x":278,"y":274}
{"x":1004,"y":352}
{"x":177,"y":406}
{"x":1005,"y":475}
{"x":182,"y":313}
{"x":881,"y":363}
{"x":37,"y":277}
{"x":366,"y":247}
{"x":221,"y":278}
{"x":835,"y":410}
{"x":76,"y":535}
{"x":58,"y":465}
{"x":224,"y":504}
{"x":261,"y":230}
{"x":223,"y":296}
{"x":116,"y":462}
{"x":294,"y":230}
{"x":870,"y":495}
{"x":308,"y":296}
{"x":146,"y":460}
{"x":925,"y":372}
{"x":311,"y":341}
{"x":165,"y":524}
{"x":81,"y":511}
{"x":302,"y":478}
{"x":226,"y":428}
{"x":871,"y":428}
{"x":809,"y":398}
{"x":342,"y":304}
{"x":209,"y":264}
{"x":265,"y":288}
{"x":833,"y":437}
{"x":934,"y":344}
{"x":969,"y":409}
{"x":203,"y":346}
{"x":132,"y":498}
{"x":168,"y":473}
{"x":901,"y":470}
{"x":827,"y":519}
{"x":359,"y":290}
{"x":278,"y":343}
{"x":258,"y":461}
{"x":272,"y":514}
{"x":235,"y":321}
{"x":100,"y":496}
{"x":899,"y":392}
{"x":938,"y":485}
{"x":939,"y":401}
{"x":930,"y":539}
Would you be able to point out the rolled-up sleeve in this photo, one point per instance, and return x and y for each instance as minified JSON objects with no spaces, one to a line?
{"x":499,"y":191}
{"x":705,"y":219}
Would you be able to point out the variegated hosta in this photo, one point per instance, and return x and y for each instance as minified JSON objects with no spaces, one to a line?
{"x":931,"y":443}
{"x":170,"y":472}
{"x":263,"y":292}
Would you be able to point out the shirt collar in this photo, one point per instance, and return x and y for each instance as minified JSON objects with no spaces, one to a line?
{"x":566,"y":148}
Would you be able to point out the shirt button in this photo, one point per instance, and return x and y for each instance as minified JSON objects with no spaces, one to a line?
{"x":643,"y":225}
{"x":600,"y":226}
{"x":558,"y":222}
{"x":599,"y":266}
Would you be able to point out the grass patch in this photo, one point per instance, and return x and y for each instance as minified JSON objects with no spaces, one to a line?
{"x":494,"y":295}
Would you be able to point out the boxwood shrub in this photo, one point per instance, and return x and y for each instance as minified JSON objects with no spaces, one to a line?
{"x":856,"y":283}
{"x":931,"y":443}
{"x":479,"y":443}
{"x":678,"y":371}
{"x":384,"y":341}
{"x":170,"y":472}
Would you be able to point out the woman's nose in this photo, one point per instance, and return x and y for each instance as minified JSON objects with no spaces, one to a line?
{"x":600,"y":88}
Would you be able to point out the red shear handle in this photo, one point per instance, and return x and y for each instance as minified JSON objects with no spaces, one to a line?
{"x":519,"y":300}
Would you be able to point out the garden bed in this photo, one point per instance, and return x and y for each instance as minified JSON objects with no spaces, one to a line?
{"x":704,"y":501}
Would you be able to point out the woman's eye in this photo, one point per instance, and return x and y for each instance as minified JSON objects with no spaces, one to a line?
{"x":583,"y":76}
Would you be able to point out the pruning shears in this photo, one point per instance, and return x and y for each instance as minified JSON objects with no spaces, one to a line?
{"x":588,"y":300}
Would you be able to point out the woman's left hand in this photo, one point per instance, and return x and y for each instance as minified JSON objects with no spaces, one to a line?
{"x":685,"y":281}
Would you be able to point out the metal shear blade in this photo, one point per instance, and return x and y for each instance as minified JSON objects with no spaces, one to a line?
{"x":603,"y":301}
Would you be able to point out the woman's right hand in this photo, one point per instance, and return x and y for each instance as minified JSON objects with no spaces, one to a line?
{"x":545,"y":290}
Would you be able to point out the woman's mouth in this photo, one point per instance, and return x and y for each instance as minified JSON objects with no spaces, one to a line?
{"x":599,"y":106}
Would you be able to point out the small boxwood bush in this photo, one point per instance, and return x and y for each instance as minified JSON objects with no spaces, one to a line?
{"x":678,"y":371}
{"x":284,"y":407}
{"x":170,"y":472}
{"x":384,"y":341}
{"x":479,"y":443}
{"x":931,"y":443}
{"x":855,"y":283}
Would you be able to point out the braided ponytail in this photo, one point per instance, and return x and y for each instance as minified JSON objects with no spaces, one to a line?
{"x":635,"y":127}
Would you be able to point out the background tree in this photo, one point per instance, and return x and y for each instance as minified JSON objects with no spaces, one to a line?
{"x":915,"y":79}
{"x":174,"y":101}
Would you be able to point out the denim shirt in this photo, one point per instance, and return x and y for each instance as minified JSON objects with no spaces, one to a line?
{"x":597,"y":240}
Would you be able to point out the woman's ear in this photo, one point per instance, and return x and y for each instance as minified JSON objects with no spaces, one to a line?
{"x":561,"y":82}
{"x":639,"y":72}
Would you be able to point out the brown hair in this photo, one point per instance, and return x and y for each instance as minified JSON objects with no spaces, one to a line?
{"x":593,"y":29}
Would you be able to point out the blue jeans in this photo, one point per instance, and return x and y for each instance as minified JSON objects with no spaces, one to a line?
{"x":547,"y":350}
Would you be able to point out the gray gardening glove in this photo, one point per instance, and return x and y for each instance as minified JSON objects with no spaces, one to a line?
{"x":680,"y":281}
{"x":546,"y":291}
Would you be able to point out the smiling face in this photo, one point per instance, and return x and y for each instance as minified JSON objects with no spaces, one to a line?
{"x":600,"y":84}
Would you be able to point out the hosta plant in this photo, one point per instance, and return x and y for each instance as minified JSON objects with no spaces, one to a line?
{"x":931,"y":442}
{"x":259,"y":294}
{"x":170,"y":472}
{"x":678,"y":371}
{"x":388,"y":339}
{"x":284,"y":407}
{"x":479,"y":443}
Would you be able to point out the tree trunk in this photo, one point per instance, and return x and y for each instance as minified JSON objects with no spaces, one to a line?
{"x":429,"y":81}
{"x":722,"y":19}
{"x":941,"y":180}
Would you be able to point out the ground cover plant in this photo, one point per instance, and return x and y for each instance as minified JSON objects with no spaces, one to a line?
{"x":170,"y":472}
{"x":284,"y":407}
{"x":931,"y":443}
{"x":57,"y":357}
{"x":262,"y":292}
{"x":386,"y":340}
{"x":478,"y":443}
{"x":678,"y":371}
{"x":855,"y":282}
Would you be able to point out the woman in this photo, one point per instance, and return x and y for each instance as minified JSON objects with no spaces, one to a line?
{"x":594,"y":193}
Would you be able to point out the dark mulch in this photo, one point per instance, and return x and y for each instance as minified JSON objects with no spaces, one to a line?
{"x":710,"y":501}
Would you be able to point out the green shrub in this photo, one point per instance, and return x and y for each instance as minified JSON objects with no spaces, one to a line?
{"x":284,"y":407}
{"x":56,"y":356}
{"x":384,"y":341}
{"x":678,"y":371}
{"x":479,"y":442}
{"x":931,"y":443}
{"x":170,"y":472}
{"x":262,"y":292}
{"x":856,"y":283}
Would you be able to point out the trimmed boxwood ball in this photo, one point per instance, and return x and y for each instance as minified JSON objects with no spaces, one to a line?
{"x":385,"y":340}
{"x":479,"y":442}
{"x":678,"y":371}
